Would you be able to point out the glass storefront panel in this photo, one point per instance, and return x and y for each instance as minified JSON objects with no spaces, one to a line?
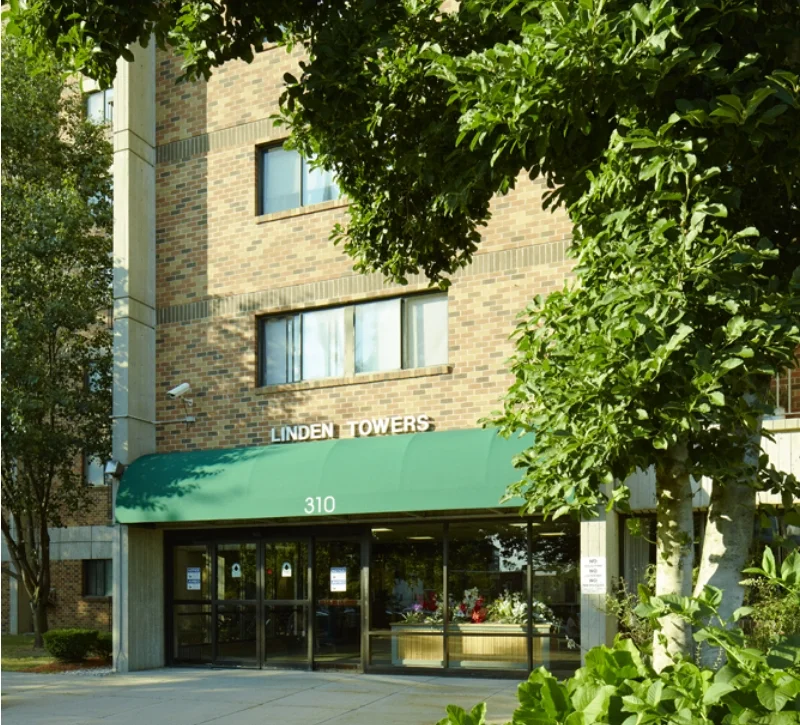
{"x":192,"y":633}
{"x":236,"y":635}
{"x":191,"y":579}
{"x":555,"y":555}
{"x":285,"y":569}
{"x":406,"y":595}
{"x":236,"y":571}
{"x":337,"y":618}
{"x":286,"y":635}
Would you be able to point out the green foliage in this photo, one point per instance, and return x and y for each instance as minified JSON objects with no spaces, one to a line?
{"x":104,"y":646}
{"x":56,"y":295}
{"x":622,"y":606}
{"x":618,"y":687}
{"x":71,"y":645}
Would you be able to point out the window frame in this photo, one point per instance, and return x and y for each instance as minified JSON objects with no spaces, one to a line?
{"x":261,"y":153}
{"x":107,"y":104}
{"x":349,"y":339}
{"x":91,"y":577}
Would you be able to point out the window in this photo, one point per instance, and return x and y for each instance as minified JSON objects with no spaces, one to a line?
{"x":97,"y":578}
{"x":288,"y":181}
{"x":99,"y":106}
{"x":94,"y":471}
{"x":393,"y":334}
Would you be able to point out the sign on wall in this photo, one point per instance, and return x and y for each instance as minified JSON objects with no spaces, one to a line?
{"x":593,"y":575}
{"x":193,"y":578}
{"x":364,"y":428}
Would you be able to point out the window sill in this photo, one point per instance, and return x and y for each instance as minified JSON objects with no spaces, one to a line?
{"x":357,"y":379}
{"x":302,"y":210}
{"x":790,"y":422}
{"x":95,"y":598}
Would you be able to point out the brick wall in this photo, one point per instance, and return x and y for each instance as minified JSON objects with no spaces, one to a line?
{"x":212,"y":247}
{"x":71,"y":608}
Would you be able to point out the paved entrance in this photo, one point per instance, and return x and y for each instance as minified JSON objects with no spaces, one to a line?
{"x":227,"y":697}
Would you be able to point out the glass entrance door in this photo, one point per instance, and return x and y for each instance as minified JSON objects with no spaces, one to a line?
{"x":286,"y":604}
{"x":235,"y":606}
{"x":337,"y":620}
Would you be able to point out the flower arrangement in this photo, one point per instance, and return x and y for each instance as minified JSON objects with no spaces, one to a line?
{"x":511,"y":608}
{"x":508,"y":608}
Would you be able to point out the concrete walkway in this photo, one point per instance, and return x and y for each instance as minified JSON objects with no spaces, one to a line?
{"x":240,"y":697}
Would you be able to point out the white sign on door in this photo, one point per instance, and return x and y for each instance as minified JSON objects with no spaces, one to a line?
{"x":593,"y":575}
{"x":338,"y":578}
{"x":193,"y":578}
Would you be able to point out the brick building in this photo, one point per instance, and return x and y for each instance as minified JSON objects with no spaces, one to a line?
{"x":306,"y":482}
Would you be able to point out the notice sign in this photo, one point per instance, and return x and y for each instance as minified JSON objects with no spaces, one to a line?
{"x":338,"y":578}
{"x":193,"y":578}
{"x":593,"y":575}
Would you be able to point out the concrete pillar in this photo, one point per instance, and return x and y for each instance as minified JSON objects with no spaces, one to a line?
{"x":599,"y":567}
{"x":138,"y":602}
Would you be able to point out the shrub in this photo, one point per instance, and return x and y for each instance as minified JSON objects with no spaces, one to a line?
{"x":70,"y":645}
{"x":618,"y":686}
{"x":104,"y":646}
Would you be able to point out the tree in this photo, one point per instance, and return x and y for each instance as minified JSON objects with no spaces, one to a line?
{"x":668,"y":132}
{"x":56,"y":345}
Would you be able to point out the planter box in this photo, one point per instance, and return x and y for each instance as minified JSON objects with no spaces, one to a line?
{"x":471,"y":645}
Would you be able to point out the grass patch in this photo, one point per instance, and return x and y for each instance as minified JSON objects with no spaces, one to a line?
{"x":17,"y":654}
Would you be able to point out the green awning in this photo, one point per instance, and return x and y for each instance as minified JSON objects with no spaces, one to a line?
{"x":432,"y":471}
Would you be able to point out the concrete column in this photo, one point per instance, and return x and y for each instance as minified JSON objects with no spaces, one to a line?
{"x":600,"y":552}
{"x":138,"y":607}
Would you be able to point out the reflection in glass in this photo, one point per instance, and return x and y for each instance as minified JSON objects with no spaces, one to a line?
{"x":286,"y":567}
{"x":236,"y":635}
{"x":280,"y":180}
{"x":236,"y":571}
{"x":192,"y":633}
{"x":191,"y":573}
{"x":406,"y":585}
{"x":338,"y":612}
{"x":425,"y":331}
{"x":323,"y":344}
{"x":377,"y":333}
{"x":286,"y":635}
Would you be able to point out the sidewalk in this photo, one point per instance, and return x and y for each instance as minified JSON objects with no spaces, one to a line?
{"x":240,"y":697}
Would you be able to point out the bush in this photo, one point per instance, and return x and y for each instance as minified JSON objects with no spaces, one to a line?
{"x":619,"y":687}
{"x":70,"y":645}
{"x":103,"y":647}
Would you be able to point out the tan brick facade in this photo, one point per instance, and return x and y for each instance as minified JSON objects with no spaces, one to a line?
{"x":70,"y":608}
{"x":220,"y":267}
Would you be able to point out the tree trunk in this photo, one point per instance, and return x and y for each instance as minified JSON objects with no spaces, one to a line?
{"x":39,"y":620}
{"x":675,"y":553}
{"x":726,"y":545}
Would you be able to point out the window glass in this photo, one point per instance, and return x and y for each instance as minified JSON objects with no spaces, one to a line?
{"x":236,"y":571}
{"x":280,"y":180}
{"x":97,"y":579}
{"x":99,"y":106}
{"x":191,"y":573}
{"x":318,"y":185}
{"x":323,"y":344}
{"x":426,"y":331}
{"x":377,"y":330}
{"x":95,"y":472}
{"x":281,"y":350}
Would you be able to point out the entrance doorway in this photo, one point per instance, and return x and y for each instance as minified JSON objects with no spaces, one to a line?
{"x":294,"y":602}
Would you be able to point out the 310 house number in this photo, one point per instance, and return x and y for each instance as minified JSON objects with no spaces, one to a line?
{"x":320,"y":505}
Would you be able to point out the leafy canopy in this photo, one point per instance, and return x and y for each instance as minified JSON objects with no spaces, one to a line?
{"x":668,"y":131}
{"x":56,"y":345}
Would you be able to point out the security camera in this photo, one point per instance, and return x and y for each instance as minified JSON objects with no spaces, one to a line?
{"x":114,"y":468}
{"x":179,"y":391}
